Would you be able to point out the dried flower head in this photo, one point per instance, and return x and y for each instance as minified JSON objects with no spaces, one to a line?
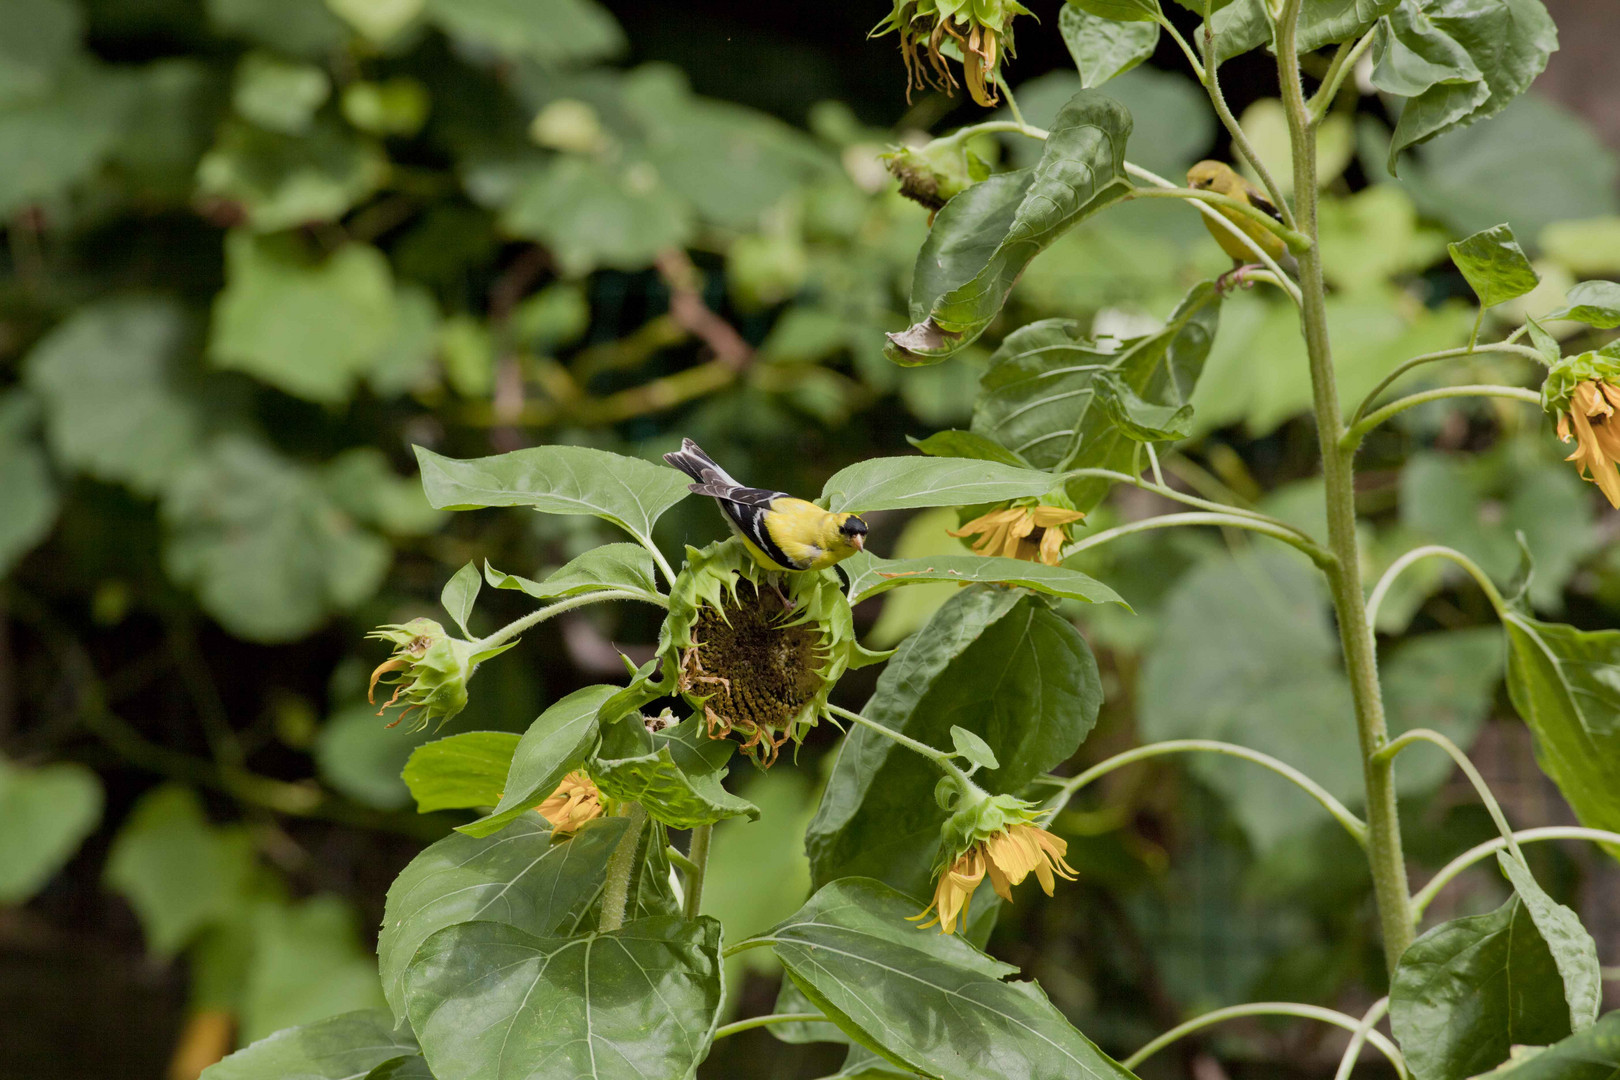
{"x":1582,"y":393}
{"x":991,"y":836}
{"x":978,"y":31}
{"x":429,"y":671}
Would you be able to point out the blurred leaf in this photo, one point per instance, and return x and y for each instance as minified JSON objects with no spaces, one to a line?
{"x":311,"y":331}
{"x":1458,"y":64}
{"x":1122,"y":10}
{"x":116,"y":402}
{"x":1374,"y":235}
{"x":982,"y":240}
{"x":467,"y":352}
{"x":268,"y":553}
{"x":55,"y":139}
{"x":591,"y":215}
{"x":556,"y":743}
{"x":28,"y":497}
{"x":556,"y":315}
{"x":902,"y":483}
{"x":38,"y":38}
{"x":870,"y":576}
{"x":1494,"y":265}
{"x":1266,"y":124}
{"x":996,"y":661}
{"x":406,"y":361}
{"x":462,"y":772}
{"x":278,"y":94}
{"x":630,"y":1004}
{"x":358,"y":755}
{"x":295,"y":27}
{"x":1446,"y":682}
{"x":887,"y":985}
{"x":282,"y":181}
{"x":176,"y":870}
{"x":1468,"y":989}
{"x":338,"y":1048}
{"x":1596,"y":303}
{"x":396,"y":106}
{"x":1589,"y":246}
{"x":524,"y":878}
{"x":174,"y":109}
{"x":1102,"y":48}
{"x":551,"y":31}
{"x":362,"y":483}
{"x":627,"y":491}
{"x":676,"y":777}
{"x":607,"y":567}
{"x":1592,"y":1054}
{"x":45,"y":814}
{"x":1573,"y":950}
{"x":1247,"y":655}
{"x":308,"y":964}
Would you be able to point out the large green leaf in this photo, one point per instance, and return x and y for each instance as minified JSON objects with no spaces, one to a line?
{"x":40,"y":38}
{"x":28,"y":496}
{"x":1243,"y":25}
{"x":1495,"y":265}
{"x":56,"y":139}
{"x":1469,"y":989}
{"x":1596,"y":303}
{"x":45,"y":814}
{"x":1102,"y":47}
{"x":461,"y":772}
{"x":1593,"y":1054}
{"x":1573,"y":950}
{"x":295,"y":27}
{"x":627,"y":491}
{"x":607,"y":567}
{"x":556,"y":743}
{"x":594,"y":215}
{"x":1565,"y":684}
{"x":674,"y":773}
{"x":1040,"y":395}
{"x":995,"y":661}
{"x":551,"y":31}
{"x":907,"y":483}
{"x":982,"y":240}
{"x":870,"y":576}
{"x":927,"y":1001}
{"x":343,"y":1047}
{"x":281,"y":181}
{"x":630,"y":1004}
{"x":1116,"y":10}
{"x":116,"y":406}
{"x":1457,"y":63}
{"x":523,"y":877}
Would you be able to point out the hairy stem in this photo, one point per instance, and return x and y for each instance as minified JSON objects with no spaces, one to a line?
{"x":1432,"y":551}
{"x":534,"y":618}
{"x":1286,"y":534}
{"x":620,"y":869}
{"x":1344,"y":577}
{"x":938,"y":757}
{"x":762,"y":1021}
{"x":1351,"y":439}
{"x":1446,"y":874}
{"x":698,"y":859}
{"x":1267,"y":1008}
{"x":1453,"y":751}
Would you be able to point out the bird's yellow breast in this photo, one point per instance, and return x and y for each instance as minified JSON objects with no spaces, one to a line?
{"x":807,"y":534}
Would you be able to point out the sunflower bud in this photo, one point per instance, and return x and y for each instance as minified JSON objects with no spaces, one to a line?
{"x":1582,"y":393}
{"x":1035,"y":532}
{"x":981,"y":32}
{"x":991,"y":836}
{"x":428,"y":670}
{"x":932,"y":174}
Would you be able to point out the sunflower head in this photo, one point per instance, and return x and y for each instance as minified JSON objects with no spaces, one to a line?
{"x":428,"y":670}
{"x":1582,"y":393}
{"x":931,"y":175}
{"x":979,"y":30}
{"x":1024,"y":529}
{"x":575,"y":802}
{"x":756,"y":653}
{"x":992,"y":836}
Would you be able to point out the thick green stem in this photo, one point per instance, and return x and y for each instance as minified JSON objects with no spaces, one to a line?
{"x":764,"y":1021}
{"x":1425,"y":896}
{"x":1344,"y":577}
{"x":1453,"y":751}
{"x":534,"y":618}
{"x":699,"y":860}
{"x":1267,"y":1008}
{"x":621,"y":869}
{"x":938,"y":757}
{"x":1287,"y":534}
{"x":1351,"y":439}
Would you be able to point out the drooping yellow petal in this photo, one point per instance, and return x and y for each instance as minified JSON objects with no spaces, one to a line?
{"x":575,"y":802}
{"x":953,"y":892}
{"x":1596,"y":429}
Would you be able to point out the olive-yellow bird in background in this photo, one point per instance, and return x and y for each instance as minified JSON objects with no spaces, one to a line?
{"x":779,"y":531}
{"x":1219,"y":177}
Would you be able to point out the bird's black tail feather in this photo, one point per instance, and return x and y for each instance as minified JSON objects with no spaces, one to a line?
{"x":692,"y":461}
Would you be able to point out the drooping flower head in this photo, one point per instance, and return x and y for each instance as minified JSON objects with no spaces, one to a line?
{"x":428,"y":670}
{"x":575,"y":802}
{"x":1583,"y":393}
{"x":1035,"y":532}
{"x":932,"y":175}
{"x":980,"y":30}
{"x":992,"y":836}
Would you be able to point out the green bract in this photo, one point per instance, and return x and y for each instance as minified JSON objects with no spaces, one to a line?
{"x":981,"y":31}
{"x":932,"y":174}
{"x":1570,"y":372}
{"x":429,"y":670}
{"x":977,"y":815}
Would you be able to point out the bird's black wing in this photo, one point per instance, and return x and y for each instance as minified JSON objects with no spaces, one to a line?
{"x":747,"y":507}
{"x":1263,"y":204}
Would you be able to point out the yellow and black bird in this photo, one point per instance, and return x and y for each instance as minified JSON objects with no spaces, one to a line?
{"x":779,"y":531}
{"x":1219,"y":177}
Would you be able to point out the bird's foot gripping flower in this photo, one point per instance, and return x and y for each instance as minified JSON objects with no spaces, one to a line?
{"x":992,"y":836}
{"x":757,"y":664}
{"x":1583,"y":394}
{"x":429,"y":671}
{"x":575,"y":802}
{"x":1026,"y":530}
{"x":980,"y":29}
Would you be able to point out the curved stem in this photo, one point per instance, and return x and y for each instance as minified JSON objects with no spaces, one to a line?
{"x":988,"y":127}
{"x":620,"y":869}
{"x":658,"y":557}
{"x":1444,"y":354}
{"x":1237,"y":521}
{"x":1296,"y":242}
{"x":1186,"y":49}
{"x":1240,"y":140}
{"x":1417,"y":735}
{"x":938,"y":757}
{"x":1352,"y":437}
{"x":1066,"y":791}
{"x":1344,"y":62}
{"x":1164,"y":491}
{"x":1359,"y":1039}
{"x":1267,"y":1008}
{"x":698,"y":863}
{"x":1425,"y":896}
{"x":762,"y":1021}
{"x":534,"y":618}
{"x":1338,"y":480}
{"x":1431,"y":551}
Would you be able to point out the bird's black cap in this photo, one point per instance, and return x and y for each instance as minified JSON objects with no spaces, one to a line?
{"x":853,"y":526}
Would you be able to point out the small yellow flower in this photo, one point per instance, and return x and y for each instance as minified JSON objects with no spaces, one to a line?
{"x":1596,"y":431}
{"x":1007,"y":857}
{"x":1008,"y":532}
{"x":575,"y":802}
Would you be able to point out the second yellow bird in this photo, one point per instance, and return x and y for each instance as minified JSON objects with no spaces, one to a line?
{"x":1219,"y":177}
